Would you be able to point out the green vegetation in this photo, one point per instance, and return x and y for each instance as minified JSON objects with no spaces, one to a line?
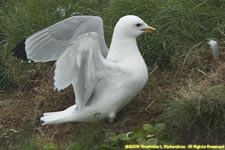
{"x":194,"y":114}
{"x":98,"y":139}
{"x":197,"y":113}
{"x":5,"y":81}
{"x":181,"y":24}
{"x":19,"y":19}
{"x":147,"y":135}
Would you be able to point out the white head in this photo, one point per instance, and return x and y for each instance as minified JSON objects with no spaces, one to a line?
{"x":132,"y":26}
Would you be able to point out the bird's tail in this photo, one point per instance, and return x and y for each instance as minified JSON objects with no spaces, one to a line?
{"x":60,"y":116}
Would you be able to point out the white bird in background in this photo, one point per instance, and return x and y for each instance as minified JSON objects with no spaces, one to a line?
{"x":104,"y":81}
{"x":214,"y":48}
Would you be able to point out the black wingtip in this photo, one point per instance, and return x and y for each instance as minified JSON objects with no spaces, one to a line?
{"x":19,"y":51}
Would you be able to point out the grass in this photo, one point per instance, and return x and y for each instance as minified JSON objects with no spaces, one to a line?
{"x":19,"y":19}
{"x":196,"y":114}
{"x":5,"y":80}
{"x":184,"y":29}
{"x":92,"y":138}
{"x":182,"y":24}
{"x":101,"y":139}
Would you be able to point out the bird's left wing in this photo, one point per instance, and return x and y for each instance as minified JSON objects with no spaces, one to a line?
{"x":83,"y":65}
{"x":49,"y":43}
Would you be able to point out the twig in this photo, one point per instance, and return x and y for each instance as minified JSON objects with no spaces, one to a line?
{"x":186,"y":57}
{"x":153,"y":70}
{"x":202,"y":72}
{"x":149,"y":105}
{"x":222,"y":32}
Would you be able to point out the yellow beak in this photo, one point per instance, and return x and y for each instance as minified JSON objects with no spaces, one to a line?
{"x":149,"y":29}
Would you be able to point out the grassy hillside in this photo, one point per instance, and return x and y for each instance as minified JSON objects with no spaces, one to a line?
{"x":183,"y":25}
{"x":184,"y":96}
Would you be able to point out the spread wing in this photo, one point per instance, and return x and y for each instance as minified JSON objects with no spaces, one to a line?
{"x":78,"y":46}
{"x":83,"y":65}
{"x":50,"y":43}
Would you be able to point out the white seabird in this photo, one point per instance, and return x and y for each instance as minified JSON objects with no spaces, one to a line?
{"x":104,"y":81}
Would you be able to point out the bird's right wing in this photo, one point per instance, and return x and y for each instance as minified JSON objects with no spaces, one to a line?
{"x":83,"y":65}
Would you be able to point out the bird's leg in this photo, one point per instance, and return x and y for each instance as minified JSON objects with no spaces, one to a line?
{"x":111,"y":117}
{"x":109,"y":122}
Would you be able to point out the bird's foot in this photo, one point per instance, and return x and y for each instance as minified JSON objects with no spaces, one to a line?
{"x":112,"y":117}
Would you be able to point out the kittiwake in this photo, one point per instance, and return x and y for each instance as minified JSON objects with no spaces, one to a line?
{"x":104,"y":80}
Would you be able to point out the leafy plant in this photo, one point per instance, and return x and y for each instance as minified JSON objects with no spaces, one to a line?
{"x":147,"y":135}
{"x":74,"y":146}
{"x":27,"y":145}
{"x":107,"y":140}
{"x":50,"y":146}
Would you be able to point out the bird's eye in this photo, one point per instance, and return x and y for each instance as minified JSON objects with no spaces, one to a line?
{"x":138,"y":25}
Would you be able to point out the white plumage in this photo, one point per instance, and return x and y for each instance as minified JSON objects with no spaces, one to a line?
{"x":214,"y":48}
{"x":104,"y":81}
